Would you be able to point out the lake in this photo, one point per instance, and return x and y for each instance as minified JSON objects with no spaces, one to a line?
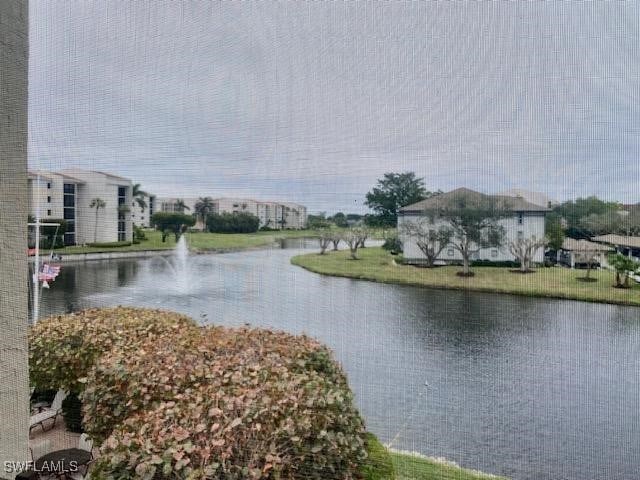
{"x":523,"y":387}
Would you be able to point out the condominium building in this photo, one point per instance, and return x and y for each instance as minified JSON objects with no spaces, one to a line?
{"x":70,"y":194}
{"x":276,"y":215}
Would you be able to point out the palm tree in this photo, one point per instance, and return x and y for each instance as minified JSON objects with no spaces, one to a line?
{"x":97,"y":203}
{"x":139,"y":196}
{"x":203,"y":207}
{"x":180,"y":206}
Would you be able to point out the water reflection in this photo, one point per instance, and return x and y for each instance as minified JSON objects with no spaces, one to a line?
{"x":530,"y":388}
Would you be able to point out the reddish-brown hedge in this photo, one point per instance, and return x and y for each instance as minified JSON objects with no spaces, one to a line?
{"x":220,"y":403}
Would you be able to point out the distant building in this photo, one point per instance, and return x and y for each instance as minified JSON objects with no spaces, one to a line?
{"x":276,"y":215}
{"x":527,"y":221}
{"x":624,"y":244}
{"x":578,"y":253}
{"x":68,"y":195}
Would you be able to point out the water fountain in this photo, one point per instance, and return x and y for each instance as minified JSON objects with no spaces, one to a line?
{"x":178,"y":264}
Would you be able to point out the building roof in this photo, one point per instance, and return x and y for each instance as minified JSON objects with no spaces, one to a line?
{"x":573,"y":245}
{"x":33,"y":174}
{"x":537,"y":198}
{"x":619,"y":240}
{"x":445,"y":200}
{"x":80,"y":171}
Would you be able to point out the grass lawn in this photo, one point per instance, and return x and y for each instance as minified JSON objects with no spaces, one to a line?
{"x":409,"y":467}
{"x":383,"y":464}
{"x":197,"y":241}
{"x":377,"y":265}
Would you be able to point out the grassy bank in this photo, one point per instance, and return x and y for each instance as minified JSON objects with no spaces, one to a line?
{"x":377,"y":265}
{"x":383,"y":464}
{"x":198,"y":241}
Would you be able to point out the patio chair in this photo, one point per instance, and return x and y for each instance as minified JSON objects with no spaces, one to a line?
{"x":48,"y":413}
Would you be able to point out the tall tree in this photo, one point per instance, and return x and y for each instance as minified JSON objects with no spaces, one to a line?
{"x":554,"y":231}
{"x":97,"y":203}
{"x":139,"y":196}
{"x":575,"y":213}
{"x":204,"y":207}
{"x":393,"y":191}
{"x":474,"y":221}
{"x":340,"y":220}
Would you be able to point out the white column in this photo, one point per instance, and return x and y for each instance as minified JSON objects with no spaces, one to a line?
{"x":14,"y":372}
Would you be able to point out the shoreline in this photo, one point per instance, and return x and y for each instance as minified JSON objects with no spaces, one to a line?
{"x":375,"y":274}
{"x":106,"y":255}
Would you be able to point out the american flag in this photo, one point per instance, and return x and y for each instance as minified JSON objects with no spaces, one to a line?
{"x":48,"y":272}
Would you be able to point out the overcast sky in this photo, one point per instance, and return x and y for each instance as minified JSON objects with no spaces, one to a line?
{"x":312,"y":102}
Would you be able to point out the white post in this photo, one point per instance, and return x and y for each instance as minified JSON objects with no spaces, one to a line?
{"x":36,"y":267}
{"x":14,"y":366}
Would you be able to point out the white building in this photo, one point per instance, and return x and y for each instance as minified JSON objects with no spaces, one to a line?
{"x":275,"y":215}
{"x":527,"y":221}
{"x":68,"y":195}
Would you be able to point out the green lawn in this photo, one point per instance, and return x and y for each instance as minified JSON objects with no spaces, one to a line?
{"x":383,"y":464}
{"x":409,"y":467}
{"x":377,"y":265}
{"x":198,"y":241}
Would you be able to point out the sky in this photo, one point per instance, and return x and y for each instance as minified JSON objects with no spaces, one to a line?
{"x":313,"y":102}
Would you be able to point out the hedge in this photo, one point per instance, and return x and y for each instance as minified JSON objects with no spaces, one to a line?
{"x":110,"y":244}
{"x":166,"y":398}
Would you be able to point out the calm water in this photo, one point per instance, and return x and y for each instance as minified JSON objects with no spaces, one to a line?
{"x":528,"y":388}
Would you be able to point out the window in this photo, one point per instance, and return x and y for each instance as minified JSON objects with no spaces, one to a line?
{"x":48,"y":213}
{"x":520,"y":234}
{"x":48,"y":199}
{"x":122,"y":224}
{"x":494,"y":253}
{"x":49,"y":185}
{"x":450,"y":252}
{"x":520,"y":218}
{"x":69,"y":212}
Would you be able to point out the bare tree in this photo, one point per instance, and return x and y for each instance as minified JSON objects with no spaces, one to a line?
{"x":474,"y":220}
{"x":336,"y":238}
{"x":364,"y":234}
{"x":324,"y":237}
{"x":354,"y":238}
{"x":524,"y":249}
{"x":430,"y":240}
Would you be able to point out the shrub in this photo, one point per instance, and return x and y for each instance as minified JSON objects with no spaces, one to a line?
{"x":212,"y":402}
{"x":138,"y":234}
{"x":110,"y":244}
{"x":237,"y":222}
{"x":392,"y":244}
{"x":63,"y":349}
{"x":493,"y":263}
{"x":72,"y":413}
